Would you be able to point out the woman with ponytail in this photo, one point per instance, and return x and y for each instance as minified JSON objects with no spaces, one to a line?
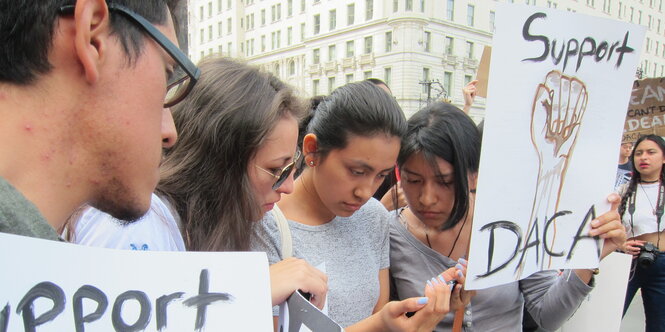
{"x":642,"y":210}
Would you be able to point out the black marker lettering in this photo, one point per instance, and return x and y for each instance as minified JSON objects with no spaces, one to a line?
{"x":548,"y":250}
{"x":503,"y":224}
{"x":204,"y":298}
{"x":590,"y":215}
{"x":144,"y":317}
{"x":4,"y":318}
{"x":529,"y":37}
{"x":92,"y":293}
{"x":162,"y":304}
{"x":47,"y":290}
{"x":535,"y":243}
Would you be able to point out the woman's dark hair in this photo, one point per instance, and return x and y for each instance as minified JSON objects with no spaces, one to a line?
{"x":636,"y":176}
{"x":222,"y":123}
{"x":442,"y":130}
{"x":360,"y":109}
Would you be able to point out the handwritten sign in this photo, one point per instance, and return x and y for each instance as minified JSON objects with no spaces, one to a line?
{"x":52,"y":286}
{"x":559,"y":86}
{"x":646,"y":111}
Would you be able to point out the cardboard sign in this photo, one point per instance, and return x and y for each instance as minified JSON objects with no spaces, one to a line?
{"x":646,"y":112}
{"x":54,"y":286}
{"x":559,"y":85}
{"x":299,"y":315}
{"x":483,"y":73}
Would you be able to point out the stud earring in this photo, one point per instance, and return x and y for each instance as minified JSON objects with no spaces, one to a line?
{"x":311,"y":163}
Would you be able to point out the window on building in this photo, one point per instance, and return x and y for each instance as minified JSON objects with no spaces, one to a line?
{"x":219,"y":47}
{"x":219,"y":10}
{"x":333,"y":19}
{"x":448,"y":82}
{"x":202,"y":55}
{"x":210,"y":32}
{"x":228,"y":4}
{"x":263,"y":17}
{"x":367,"y":74}
{"x":316,"y":56}
{"x":389,"y":41}
{"x":350,"y":14}
{"x":210,"y":9}
{"x":317,"y":24}
{"x":470,"y":14}
{"x":201,"y":13}
{"x":202,"y":34}
{"x":279,"y":38}
{"x":450,"y":10}
{"x":387,"y":75}
{"x":469,"y":50}
{"x":229,"y":25}
{"x":350,"y":49}
{"x":331,"y":84}
{"x":273,"y":13}
{"x":408,"y":5}
{"x":450,"y":42}
{"x":369,"y":9}
{"x":302,"y":31}
{"x":292,"y":68}
{"x":332,"y":52}
{"x":279,"y":11}
{"x":289,"y":8}
{"x":302,"y":6}
{"x":492,"y":18}
{"x":427,"y":41}
{"x":368,"y":44}
{"x":467,"y":79}
{"x":220,"y":31}
{"x":289,"y":36}
{"x":263,"y":43}
{"x":426,"y":87}
{"x":315,"y":87}
{"x":349,"y":78}
{"x":273,"y":40}
{"x":229,"y":47}
{"x":422,"y":6}
{"x":395,"y":6}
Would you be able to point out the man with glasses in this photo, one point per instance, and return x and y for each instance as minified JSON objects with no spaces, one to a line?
{"x":85,"y":88}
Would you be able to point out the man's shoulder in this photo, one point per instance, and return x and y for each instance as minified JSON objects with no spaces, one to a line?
{"x":19,"y":216}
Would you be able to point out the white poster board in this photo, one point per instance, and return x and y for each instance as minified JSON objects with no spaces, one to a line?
{"x":603,"y":308}
{"x":56,"y":286}
{"x":559,"y":87}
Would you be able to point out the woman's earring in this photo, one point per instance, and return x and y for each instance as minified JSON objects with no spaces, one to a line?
{"x":311,"y":163}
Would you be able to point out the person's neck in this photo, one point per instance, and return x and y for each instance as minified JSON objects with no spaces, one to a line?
{"x":304,"y":205}
{"x":36,"y":156}
{"x":653,"y":179}
{"x":623,"y":160}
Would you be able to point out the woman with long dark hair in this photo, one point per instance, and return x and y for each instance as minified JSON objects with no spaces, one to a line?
{"x":642,"y":211}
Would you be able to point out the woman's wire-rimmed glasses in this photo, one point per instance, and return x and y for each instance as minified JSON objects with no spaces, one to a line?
{"x":184,"y":75}
{"x":282,"y":174}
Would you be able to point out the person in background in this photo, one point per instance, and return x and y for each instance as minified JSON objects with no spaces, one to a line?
{"x":625,"y":169}
{"x":642,"y":210}
{"x":351,"y":145}
{"x":438,"y":162}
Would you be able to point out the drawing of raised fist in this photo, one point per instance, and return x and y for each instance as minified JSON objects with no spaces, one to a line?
{"x":556,"y":114}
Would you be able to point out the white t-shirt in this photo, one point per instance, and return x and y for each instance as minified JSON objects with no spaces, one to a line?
{"x":644,"y":219}
{"x":157,"y":231}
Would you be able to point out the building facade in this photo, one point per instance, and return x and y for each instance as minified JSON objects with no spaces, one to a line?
{"x":421,"y":48}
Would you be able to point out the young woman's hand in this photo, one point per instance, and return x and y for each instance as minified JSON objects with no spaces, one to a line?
{"x":294,"y":274}
{"x":608,"y":226}
{"x":632,"y":247}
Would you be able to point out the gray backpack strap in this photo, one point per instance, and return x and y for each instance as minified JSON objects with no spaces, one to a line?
{"x":284,"y":232}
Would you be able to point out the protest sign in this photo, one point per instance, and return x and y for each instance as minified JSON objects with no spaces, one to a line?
{"x":54,"y":286}
{"x":297,"y":314}
{"x":559,"y":87}
{"x":646,"y":111}
{"x":483,"y":73}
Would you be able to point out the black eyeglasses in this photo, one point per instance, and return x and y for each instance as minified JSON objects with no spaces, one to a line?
{"x":179,"y":84}
{"x":282,"y":174}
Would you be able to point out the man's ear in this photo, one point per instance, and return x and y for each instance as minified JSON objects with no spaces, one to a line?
{"x":92,"y":22}
{"x":309,"y":147}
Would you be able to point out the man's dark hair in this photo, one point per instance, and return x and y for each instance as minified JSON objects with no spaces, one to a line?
{"x":27,"y":26}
